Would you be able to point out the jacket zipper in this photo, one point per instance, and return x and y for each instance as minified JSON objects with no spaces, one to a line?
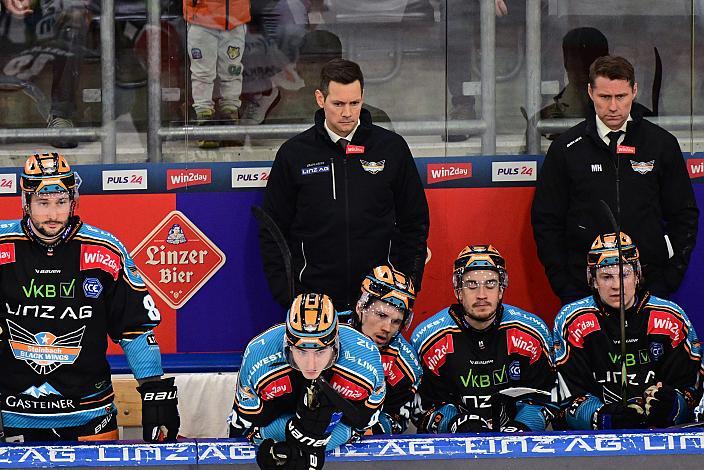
{"x":332,"y":170}
{"x":347,"y":232}
{"x":305,"y":263}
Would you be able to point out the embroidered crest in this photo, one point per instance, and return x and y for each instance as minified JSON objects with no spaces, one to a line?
{"x":643,"y":167}
{"x":373,"y":167}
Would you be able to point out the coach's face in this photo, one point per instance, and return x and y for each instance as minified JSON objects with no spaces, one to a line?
{"x":612,"y":100}
{"x":342,"y":106}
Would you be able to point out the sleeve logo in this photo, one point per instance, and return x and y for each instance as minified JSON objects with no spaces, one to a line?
{"x":392,"y":372}
{"x":665,"y":323}
{"x":7,"y":253}
{"x":347,"y":388}
{"x":436,"y":356}
{"x":277,"y":388}
{"x":582,"y":326}
{"x":520,"y":342}
{"x":97,"y":257}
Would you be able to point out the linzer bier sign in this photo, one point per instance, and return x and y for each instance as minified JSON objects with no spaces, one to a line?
{"x":176,"y":259}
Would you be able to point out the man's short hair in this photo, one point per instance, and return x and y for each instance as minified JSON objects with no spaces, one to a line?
{"x":612,"y":67}
{"x":340,"y":71}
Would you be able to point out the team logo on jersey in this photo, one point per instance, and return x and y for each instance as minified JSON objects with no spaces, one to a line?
{"x":44,"y":352}
{"x":277,"y":388}
{"x":92,"y":288}
{"x":98,"y":257}
{"x":196,"y":53}
{"x":436,"y":355}
{"x":665,"y":323}
{"x":643,"y":167}
{"x":522,"y":343}
{"x":7,"y":253}
{"x":373,"y":167}
{"x":582,"y":326}
{"x":43,"y":390}
{"x":392,"y":372}
{"x":347,"y":388}
{"x":176,"y":259}
{"x":233,"y":52}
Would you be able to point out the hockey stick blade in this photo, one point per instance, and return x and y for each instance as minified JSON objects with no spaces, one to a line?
{"x":268,"y":223}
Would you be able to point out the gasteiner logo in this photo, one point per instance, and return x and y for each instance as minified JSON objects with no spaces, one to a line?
{"x":665,"y":323}
{"x":277,"y":388}
{"x":7,"y":253}
{"x":582,"y":326}
{"x":183,"y":178}
{"x":124,"y":180}
{"x":435,"y":357}
{"x":392,"y":372}
{"x":438,"y":172}
{"x":347,"y":388}
{"x":695,"y":167}
{"x":8,"y":183}
{"x":98,"y":257}
{"x":522,"y":343}
{"x":176,"y":259}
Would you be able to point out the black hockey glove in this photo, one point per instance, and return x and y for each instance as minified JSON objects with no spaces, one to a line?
{"x":286,"y":455}
{"x":465,"y":422}
{"x":661,"y":405}
{"x":514,"y":426}
{"x":160,"y":420}
{"x":618,"y":416}
{"x":311,"y":427}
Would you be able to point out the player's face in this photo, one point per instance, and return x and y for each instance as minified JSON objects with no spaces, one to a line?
{"x":607,"y":285}
{"x":380,"y":321}
{"x":612,"y":100}
{"x":312,"y":362}
{"x":480,"y":294}
{"x":49,"y":213}
{"x":342,"y":106}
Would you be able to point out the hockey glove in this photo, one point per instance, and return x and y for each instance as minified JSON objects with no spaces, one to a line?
{"x":515,"y":426}
{"x":465,"y":422}
{"x":661,"y":405}
{"x":315,"y":417}
{"x":285,"y":455}
{"x":160,"y":420}
{"x":618,"y":416}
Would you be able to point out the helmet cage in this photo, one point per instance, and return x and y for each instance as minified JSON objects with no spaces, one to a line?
{"x":476,"y":258}
{"x":392,"y":287}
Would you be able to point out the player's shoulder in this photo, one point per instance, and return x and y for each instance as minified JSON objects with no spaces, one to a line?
{"x":655,"y":304}
{"x":353,"y":341}
{"x":359,"y":354}
{"x":517,"y":316}
{"x":11,"y":229}
{"x":264,"y":352}
{"x":91,"y":234}
{"x":573,"y":310}
{"x":433,"y":326}
{"x":406,"y":353}
{"x":571,"y":137}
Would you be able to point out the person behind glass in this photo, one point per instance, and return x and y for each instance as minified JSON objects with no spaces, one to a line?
{"x":384,"y":309}
{"x":67,"y":287}
{"x":63,"y":28}
{"x":216,"y":41}
{"x":478,"y":349}
{"x":289,"y":393}
{"x":347,"y":196}
{"x":633,"y":165}
{"x":663,"y":356}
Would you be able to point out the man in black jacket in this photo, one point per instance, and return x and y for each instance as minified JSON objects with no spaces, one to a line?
{"x":347,"y":196}
{"x":634,"y":166}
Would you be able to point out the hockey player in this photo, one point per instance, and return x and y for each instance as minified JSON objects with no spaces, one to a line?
{"x":306,"y":386}
{"x":662,"y":359}
{"x":479,"y":352}
{"x":66,"y":286}
{"x":384,"y":309}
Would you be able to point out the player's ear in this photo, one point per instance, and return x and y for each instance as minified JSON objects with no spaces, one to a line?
{"x":319,"y":98}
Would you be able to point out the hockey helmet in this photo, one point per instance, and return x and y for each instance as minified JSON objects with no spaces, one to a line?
{"x":604,"y":252}
{"x":388,"y":285}
{"x":479,"y":257}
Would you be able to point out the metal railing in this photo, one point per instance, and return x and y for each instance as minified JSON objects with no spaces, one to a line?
{"x":156,"y":134}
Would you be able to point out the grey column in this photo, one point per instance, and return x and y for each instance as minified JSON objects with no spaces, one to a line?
{"x":108,"y":139}
{"x":488,"y":68}
{"x":154,"y":79}
{"x":533,"y":77}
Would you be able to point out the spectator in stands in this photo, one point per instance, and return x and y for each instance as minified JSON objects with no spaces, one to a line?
{"x":289,"y":394}
{"x":663,"y":356}
{"x":480,"y":355}
{"x":64,"y":28}
{"x":295,"y":106}
{"x":216,"y":43}
{"x":634,"y":166}
{"x":346,"y":195}
{"x":383,"y":311}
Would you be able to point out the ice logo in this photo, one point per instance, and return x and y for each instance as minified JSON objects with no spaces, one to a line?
{"x":92,"y":288}
{"x":514,"y":370}
{"x":656,"y":350}
{"x":176,"y":235}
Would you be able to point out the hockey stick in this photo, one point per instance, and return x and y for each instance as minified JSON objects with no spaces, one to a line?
{"x":622,"y":307}
{"x":270,"y":226}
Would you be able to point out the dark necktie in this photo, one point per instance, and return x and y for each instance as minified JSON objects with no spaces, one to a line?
{"x":343,"y":143}
{"x":613,"y":140}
